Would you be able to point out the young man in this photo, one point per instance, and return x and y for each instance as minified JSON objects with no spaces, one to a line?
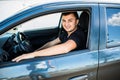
{"x":71,"y":38}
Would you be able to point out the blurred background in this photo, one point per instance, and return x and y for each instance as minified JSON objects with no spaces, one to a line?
{"x":10,"y":7}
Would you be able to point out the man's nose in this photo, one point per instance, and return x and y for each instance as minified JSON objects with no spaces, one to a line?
{"x":67,"y":23}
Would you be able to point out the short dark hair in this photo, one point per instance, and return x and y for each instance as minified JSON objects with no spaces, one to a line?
{"x":71,"y":12}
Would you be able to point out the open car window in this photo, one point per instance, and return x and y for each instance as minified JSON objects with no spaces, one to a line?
{"x":49,"y":21}
{"x":32,"y":34}
{"x":43,"y":22}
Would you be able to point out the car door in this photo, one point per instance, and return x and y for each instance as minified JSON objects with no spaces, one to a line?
{"x":75,"y":65}
{"x":81,"y":64}
{"x":109,"y":54}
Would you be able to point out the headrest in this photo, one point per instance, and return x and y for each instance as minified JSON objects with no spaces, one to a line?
{"x":84,"y":20}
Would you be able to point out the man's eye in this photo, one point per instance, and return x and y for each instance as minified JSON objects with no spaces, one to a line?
{"x":70,"y":20}
{"x":63,"y":20}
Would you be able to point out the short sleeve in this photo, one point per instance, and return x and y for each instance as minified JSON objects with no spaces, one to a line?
{"x":79,"y":39}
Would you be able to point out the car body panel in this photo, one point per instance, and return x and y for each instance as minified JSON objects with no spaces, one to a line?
{"x":94,"y":63}
{"x":109,"y":57}
{"x":54,"y":67}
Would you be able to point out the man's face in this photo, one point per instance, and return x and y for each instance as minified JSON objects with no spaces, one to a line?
{"x":69,"y":22}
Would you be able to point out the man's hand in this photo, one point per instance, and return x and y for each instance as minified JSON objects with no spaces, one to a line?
{"x":24,"y":56}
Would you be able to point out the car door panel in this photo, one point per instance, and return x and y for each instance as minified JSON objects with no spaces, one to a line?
{"x":74,"y":65}
{"x":78,"y":65}
{"x":109,"y":56}
{"x":25,"y":70}
{"x":82,"y":64}
{"x":109,"y":64}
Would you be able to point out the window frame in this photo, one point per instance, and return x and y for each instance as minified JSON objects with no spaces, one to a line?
{"x":75,"y":8}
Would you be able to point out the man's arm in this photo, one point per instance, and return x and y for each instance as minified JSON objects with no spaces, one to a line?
{"x":49,"y":44}
{"x":54,"y":50}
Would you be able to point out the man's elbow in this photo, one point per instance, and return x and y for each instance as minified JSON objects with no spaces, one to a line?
{"x":66,"y":50}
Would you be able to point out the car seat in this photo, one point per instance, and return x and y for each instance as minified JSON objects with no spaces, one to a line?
{"x":84,"y":23}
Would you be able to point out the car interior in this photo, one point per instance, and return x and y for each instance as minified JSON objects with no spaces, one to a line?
{"x":15,"y":44}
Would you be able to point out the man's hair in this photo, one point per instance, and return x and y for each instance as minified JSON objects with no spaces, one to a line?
{"x":72,"y":12}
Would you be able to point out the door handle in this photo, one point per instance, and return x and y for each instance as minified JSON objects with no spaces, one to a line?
{"x":81,"y":77}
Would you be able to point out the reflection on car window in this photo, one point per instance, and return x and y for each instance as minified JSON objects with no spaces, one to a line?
{"x":113,"y":27}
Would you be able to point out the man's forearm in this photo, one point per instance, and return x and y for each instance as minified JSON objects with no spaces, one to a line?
{"x":49,"y":44}
{"x":57,"y":49}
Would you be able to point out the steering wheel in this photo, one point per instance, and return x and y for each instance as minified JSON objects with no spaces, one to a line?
{"x":23,"y":42}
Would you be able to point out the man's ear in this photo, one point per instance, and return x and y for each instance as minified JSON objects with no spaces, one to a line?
{"x":77,"y":21}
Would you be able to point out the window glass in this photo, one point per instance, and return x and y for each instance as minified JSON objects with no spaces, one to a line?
{"x":113,"y":27}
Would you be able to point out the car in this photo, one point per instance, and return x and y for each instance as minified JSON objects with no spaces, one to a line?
{"x":31,"y":28}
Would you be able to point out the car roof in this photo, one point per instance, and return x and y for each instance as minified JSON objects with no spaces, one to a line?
{"x":82,"y":1}
{"x":91,"y":1}
{"x":48,"y":2}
